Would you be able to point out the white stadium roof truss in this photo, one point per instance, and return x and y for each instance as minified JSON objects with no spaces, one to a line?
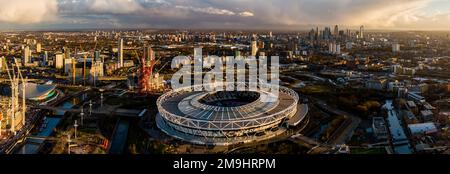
{"x":233,"y":125}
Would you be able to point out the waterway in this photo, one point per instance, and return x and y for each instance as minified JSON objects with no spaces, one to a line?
{"x":120,"y":137}
{"x":32,"y":145}
{"x":400,"y":141}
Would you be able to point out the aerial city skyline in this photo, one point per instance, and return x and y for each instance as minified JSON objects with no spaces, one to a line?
{"x":234,"y":14}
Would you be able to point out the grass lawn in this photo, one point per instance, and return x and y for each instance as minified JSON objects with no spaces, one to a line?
{"x":315,"y":89}
{"x":371,"y":151}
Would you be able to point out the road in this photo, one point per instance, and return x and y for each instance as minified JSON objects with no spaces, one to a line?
{"x":345,"y":132}
{"x":348,"y":131}
{"x":8,"y":147}
{"x":288,"y":135}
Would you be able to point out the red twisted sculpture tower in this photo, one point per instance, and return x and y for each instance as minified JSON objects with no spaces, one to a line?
{"x":146,"y":71}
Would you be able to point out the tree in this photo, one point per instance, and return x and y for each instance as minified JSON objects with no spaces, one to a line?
{"x":362,"y":108}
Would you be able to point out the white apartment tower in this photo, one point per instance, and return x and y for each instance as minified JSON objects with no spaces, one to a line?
{"x":26,"y":55}
{"x":120,"y":53}
{"x":361,"y":32}
{"x":254,"y":46}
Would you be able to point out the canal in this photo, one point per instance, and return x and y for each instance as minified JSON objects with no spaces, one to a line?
{"x":46,"y":129}
{"x":400,"y":142}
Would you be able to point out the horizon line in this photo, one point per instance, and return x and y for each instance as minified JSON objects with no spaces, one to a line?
{"x":303,"y":29}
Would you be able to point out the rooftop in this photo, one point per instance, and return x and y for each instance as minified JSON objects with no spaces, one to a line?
{"x":422,"y":128}
{"x":379,"y":124}
{"x":426,"y":112}
{"x":34,"y":90}
{"x":411,"y":104}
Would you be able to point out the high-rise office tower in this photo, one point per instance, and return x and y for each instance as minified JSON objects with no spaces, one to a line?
{"x":26,"y":55}
{"x":66,"y":52}
{"x":312,"y":35}
{"x":96,"y":56}
{"x":395,"y":47}
{"x":349,"y":45}
{"x":332,"y":47}
{"x":341,"y":33}
{"x":59,"y":61}
{"x":317,"y":33}
{"x":120,"y":53}
{"x":338,"y":49}
{"x":38,"y":48}
{"x":44,"y":62}
{"x":2,"y":64}
{"x":254,"y":48}
{"x":68,"y":66}
{"x":336,"y":31}
{"x":361,"y":32}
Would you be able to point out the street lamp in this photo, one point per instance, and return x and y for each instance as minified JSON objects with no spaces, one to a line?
{"x":76,"y":126}
{"x":69,"y":141}
{"x":1,"y":119}
{"x":90,"y":107}
{"x":101,"y":98}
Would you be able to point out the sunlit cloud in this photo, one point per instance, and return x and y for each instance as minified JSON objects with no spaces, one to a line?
{"x":246,"y":14}
{"x":208,"y":10}
{"x":292,"y":14}
{"x":26,"y":11}
{"x":114,"y":6}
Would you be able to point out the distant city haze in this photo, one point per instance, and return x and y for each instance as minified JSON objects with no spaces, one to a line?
{"x":218,"y":14}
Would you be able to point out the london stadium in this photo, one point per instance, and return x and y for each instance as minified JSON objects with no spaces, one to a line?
{"x":227,"y":117}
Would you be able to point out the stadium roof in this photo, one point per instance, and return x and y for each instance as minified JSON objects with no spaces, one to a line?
{"x":35,"y":91}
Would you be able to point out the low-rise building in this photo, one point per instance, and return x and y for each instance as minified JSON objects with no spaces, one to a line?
{"x":376,"y":84}
{"x":444,"y":117}
{"x":392,"y":86}
{"x":428,"y":106}
{"x":422,"y":128}
{"x":423,"y":87}
{"x":379,"y":128}
{"x":415,"y":97}
{"x":427,"y":115}
{"x":128,"y":63}
{"x":410,"y":118}
{"x":401,"y":92}
{"x":412,"y":106}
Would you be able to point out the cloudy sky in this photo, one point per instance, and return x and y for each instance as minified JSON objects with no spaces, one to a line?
{"x":242,"y":14}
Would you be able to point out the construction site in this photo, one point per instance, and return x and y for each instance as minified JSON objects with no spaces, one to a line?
{"x":68,"y":114}
{"x":13,"y":111}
